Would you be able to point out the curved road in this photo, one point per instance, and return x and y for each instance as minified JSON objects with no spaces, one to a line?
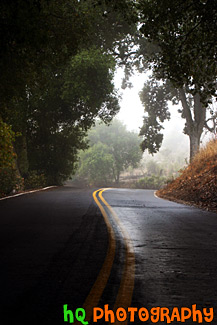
{"x":119,"y":247}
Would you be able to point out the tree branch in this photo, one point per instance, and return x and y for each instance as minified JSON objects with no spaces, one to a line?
{"x":208,"y":127}
{"x":214,"y":120}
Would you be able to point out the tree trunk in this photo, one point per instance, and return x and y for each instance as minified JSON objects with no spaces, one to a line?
{"x":195,"y":120}
{"x":194,"y":144}
{"x":117,"y":178}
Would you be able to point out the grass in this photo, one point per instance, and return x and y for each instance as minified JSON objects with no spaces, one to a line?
{"x":197,"y":183}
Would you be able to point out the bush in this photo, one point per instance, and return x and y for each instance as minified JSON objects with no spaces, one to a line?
{"x":151,"y":182}
{"x":9,"y":177}
{"x":35,"y":180}
{"x":10,"y":181}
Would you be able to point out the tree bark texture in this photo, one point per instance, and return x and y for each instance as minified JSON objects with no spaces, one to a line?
{"x":195,"y":116}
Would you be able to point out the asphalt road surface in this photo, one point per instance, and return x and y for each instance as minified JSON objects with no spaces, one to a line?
{"x":118,"y":247}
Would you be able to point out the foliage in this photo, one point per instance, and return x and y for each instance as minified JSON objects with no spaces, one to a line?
{"x":10,"y":181}
{"x":7,"y":158}
{"x":88,"y":89}
{"x":119,"y":148}
{"x":153,"y":167}
{"x":96,"y":165}
{"x":7,"y":137}
{"x":154,"y":97}
{"x":123,"y":145}
{"x":184,"y":35}
{"x":197,"y":183}
{"x":22,"y":157}
{"x":56,"y":76}
{"x":54,"y":152}
{"x":40,"y":34}
{"x":151,"y":182}
{"x":9,"y":178}
{"x":177,"y":42}
{"x":59,"y":115}
{"x":170,"y":158}
{"x":34,"y":180}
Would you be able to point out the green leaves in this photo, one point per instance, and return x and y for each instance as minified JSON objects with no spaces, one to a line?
{"x":177,"y":41}
{"x":56,"y":75}
{"x":155,"y":97}
{"x":9,"y":179}
{"x":185,"y":33}
{"x":96,"y":165}
{"x":88,"y":82}
{"x":117,"y":145}
{"x":7,"y":155}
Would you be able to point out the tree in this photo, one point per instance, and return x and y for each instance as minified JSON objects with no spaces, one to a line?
{"x":121,"y":144}
{"x":96,"y":165}
{"x":60,"y":114}
{"x":179,"y":43}
{"x":56,"y":75}
{"x":155,"y":97}
{"x":39,"y":34}
{"x":183,"y":38}
{"x":54,"y":154}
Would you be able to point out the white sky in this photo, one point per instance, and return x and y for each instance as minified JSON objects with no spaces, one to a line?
{"x":132,"y":111}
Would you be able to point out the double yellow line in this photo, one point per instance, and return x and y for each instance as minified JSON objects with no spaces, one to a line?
{"x":125,"y":291}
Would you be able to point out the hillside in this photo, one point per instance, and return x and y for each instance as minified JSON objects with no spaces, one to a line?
{"x":197,"y":184}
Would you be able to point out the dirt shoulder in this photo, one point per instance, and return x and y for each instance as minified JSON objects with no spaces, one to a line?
{"x":197,"y":184}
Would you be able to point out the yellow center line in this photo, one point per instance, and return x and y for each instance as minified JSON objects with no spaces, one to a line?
{"x":125,"y":292}
{"x":95,"y":294}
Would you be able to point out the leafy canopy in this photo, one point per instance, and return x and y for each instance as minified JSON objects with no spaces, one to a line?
{"x":56,"y":76}
{"x":120,"y":146}
{"x":184,"y":38}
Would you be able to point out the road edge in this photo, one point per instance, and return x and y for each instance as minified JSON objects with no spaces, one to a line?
{"x":27,"y":192}
{"x":187,"y":203}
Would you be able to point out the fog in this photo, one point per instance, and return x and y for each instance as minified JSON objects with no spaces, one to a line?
{"x":132,"y":112}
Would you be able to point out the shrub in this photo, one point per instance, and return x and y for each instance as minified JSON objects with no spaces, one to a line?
{"x":9,"y":177}
{"x":35,"y":180}
{"x":151,"y":182}
{"x":10,"y":181}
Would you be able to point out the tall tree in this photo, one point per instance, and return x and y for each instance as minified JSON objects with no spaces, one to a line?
{"x":39,"y":34}
{"x":122,"y":145}
{"x":179,"y":44}
{"x":96,"y":165}
{"x":155,"y":96}
{"x":55,"y":67}
{"x":59,"y":116}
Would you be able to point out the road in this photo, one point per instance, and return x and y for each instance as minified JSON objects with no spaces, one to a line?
{"x":119,"y":247}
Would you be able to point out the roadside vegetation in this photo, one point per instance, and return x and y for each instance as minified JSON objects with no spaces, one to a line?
{"x":155,"y":171}
{"x":57,"y":71}
{"x":9,"y":178}
{"x":197,"y":183}
{"x":58,"y":60}
{"x":114,"y":158}
{"x":112,"y":149}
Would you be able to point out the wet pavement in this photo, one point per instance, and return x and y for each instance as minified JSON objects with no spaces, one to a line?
{"x":175,"y":249}
{"x":54,"y":243}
